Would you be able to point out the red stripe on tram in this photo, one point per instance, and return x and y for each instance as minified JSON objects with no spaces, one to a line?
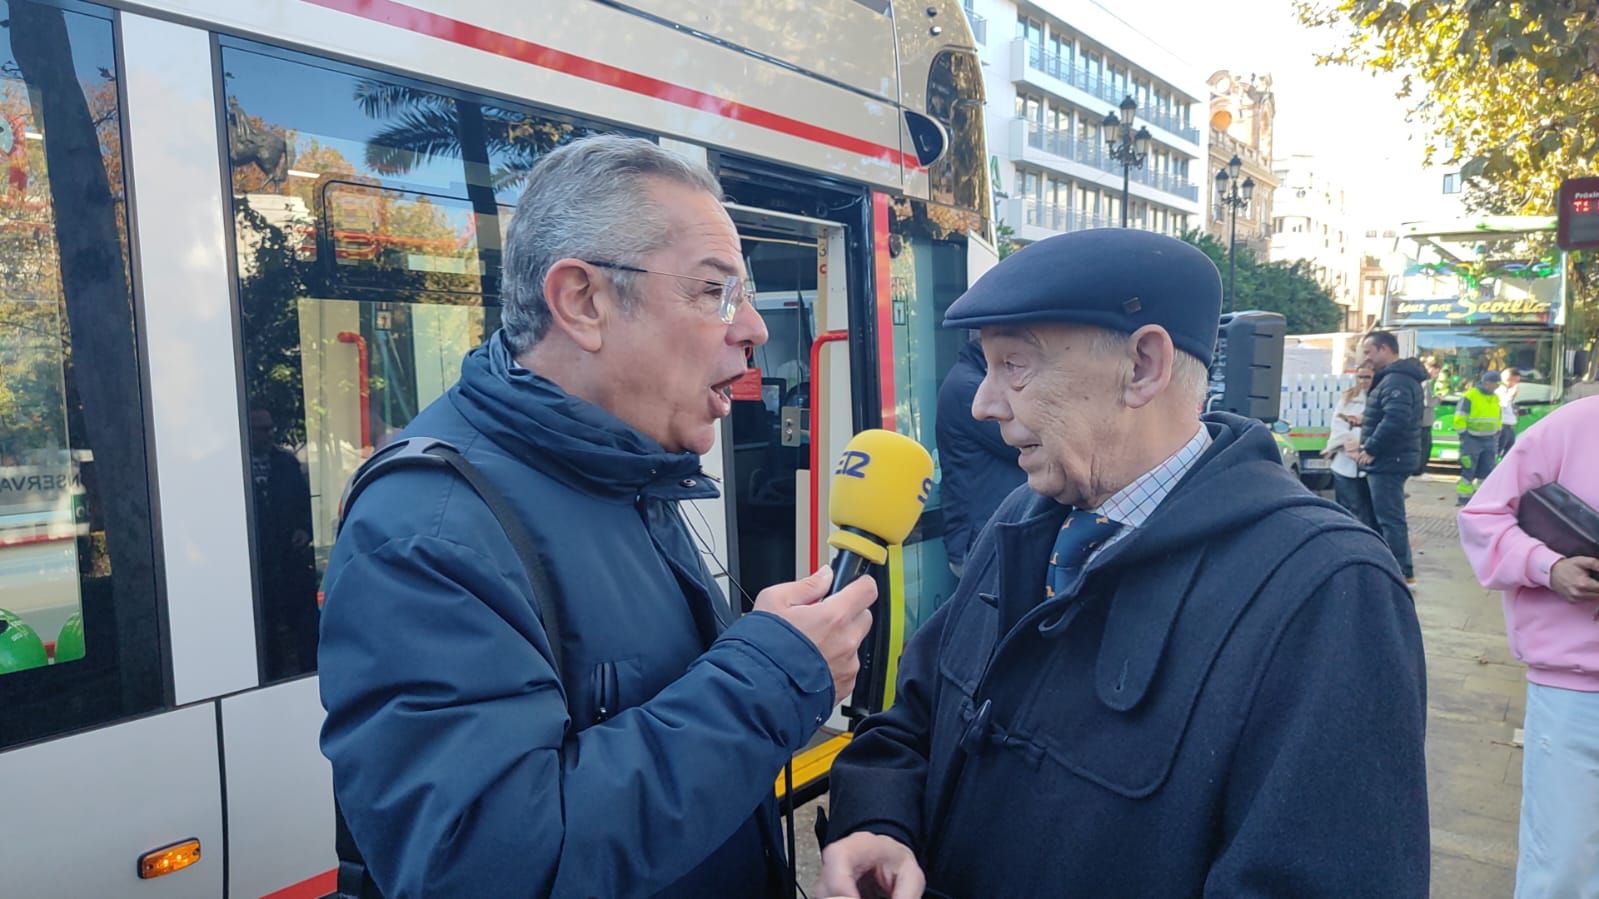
{"x":309,"y":888}
{"x":420,"y":21}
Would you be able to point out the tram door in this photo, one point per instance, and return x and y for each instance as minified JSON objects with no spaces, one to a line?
{"x":792,"y":412}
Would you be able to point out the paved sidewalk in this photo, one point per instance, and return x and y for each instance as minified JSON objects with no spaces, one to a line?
{"x":1476,"y":697}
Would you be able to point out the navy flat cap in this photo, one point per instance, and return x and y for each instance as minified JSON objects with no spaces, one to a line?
{"x":1120,"y":279}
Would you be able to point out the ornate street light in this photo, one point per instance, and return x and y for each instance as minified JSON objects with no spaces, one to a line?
{"x":1126,"y":147}
{"x":1234,"y":196}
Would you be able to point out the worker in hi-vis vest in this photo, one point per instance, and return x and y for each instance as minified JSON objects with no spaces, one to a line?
{"x":1477,"y":421}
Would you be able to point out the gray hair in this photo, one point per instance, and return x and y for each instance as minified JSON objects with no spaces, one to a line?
{"x":1189,"y":376}
{"x":586,"y":200}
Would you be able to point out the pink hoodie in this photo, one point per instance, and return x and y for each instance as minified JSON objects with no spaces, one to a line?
{"x":1558,"y":640}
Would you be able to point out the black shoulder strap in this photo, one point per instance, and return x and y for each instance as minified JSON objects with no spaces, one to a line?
{"x":354,"y":880}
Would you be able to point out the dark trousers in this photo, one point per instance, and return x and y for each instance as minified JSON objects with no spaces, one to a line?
{"x":1507,"y":438}
{"x":1479,"y":453}
{"x":1388,"y":507}
{"x":1354,"y":495}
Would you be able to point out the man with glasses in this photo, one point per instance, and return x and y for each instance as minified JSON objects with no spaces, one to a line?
{"x":465,"y":763}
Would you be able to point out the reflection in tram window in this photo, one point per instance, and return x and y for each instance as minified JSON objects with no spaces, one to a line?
{"x":927,"y":272}
{"x":369,"y":214}
{"x":78,"y":626}
{"x":955,"y":99}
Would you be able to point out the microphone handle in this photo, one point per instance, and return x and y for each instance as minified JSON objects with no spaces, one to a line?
{"x":847,"y":566}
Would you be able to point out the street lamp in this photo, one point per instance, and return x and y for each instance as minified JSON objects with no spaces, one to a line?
{"x":1126,"y":147}
{"x":1234,"y":196}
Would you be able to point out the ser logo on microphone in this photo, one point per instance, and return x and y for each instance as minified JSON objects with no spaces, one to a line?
{"x":852,"y":464}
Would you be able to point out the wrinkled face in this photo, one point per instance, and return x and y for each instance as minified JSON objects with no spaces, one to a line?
{"x":1057,"y":400}
{"x":670,"y":364}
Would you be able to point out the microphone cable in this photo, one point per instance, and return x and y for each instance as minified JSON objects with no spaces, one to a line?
{"x":788,"y":767}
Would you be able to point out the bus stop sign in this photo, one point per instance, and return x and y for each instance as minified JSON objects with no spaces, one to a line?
{"x":1578,"y":218}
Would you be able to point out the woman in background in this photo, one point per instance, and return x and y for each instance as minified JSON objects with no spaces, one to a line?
{"x":1343,"y":441}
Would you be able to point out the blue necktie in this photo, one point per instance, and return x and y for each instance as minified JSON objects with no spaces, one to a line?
{"x":1083,"y":532}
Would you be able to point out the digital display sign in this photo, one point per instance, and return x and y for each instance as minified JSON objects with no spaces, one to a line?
{"x":1578,"y":215}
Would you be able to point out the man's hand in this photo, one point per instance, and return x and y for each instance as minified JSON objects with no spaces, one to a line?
{"x":836,"y":626}
{"x":1576,"y":578}
{"x":1365,"y":458}
{"x":869,"y":866}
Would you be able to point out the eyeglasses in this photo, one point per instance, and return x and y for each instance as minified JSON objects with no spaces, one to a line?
{"x":734,"y":292}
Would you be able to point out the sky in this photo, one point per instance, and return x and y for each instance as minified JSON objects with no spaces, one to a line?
{"x":1349,"y":119}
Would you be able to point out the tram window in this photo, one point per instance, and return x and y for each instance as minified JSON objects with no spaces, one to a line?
{"x":926,"y":274}
{"x":79,"y":634}
{"x":369,"y":212}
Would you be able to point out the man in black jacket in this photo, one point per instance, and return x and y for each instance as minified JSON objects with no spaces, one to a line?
{"x":1390,"y":438}
{"x":1169,"y":670}
{"x":978,"y":469}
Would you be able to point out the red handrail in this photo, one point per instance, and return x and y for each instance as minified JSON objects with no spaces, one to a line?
{"x":816,"y":474}
{"x":364,"y":381}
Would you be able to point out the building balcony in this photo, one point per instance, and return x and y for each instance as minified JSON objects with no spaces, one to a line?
{"x":1258,"y":165}
{"x":1033,"y":221}
{"x":979,"y":25}
{"x":1052,"y":73}
{"x":1053,"y":149}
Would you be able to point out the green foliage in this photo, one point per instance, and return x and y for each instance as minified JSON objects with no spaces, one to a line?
{"x":1005,"y":239}
{"x":1510,"y":90}
{"x":1289,"y":288}
{"x":420,"y":126}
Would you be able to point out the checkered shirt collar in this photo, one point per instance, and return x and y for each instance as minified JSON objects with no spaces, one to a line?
{"x":1133,"y":504}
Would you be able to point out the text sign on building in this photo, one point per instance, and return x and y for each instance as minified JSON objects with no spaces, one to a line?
{"x":1578,"y":218}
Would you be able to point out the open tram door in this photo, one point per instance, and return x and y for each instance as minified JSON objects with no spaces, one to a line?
{"x":792,"y":415}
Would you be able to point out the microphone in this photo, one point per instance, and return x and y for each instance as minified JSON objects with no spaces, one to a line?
{"x":878,"y":491}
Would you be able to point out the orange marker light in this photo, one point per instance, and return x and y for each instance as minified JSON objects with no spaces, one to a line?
{"x":167,"y":859}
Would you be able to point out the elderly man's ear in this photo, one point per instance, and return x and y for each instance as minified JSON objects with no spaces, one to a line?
{"x":1149,"y":365}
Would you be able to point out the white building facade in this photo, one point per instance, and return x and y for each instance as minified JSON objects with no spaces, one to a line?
{"x":1052,"y":71}
{"x":1311,"y":221}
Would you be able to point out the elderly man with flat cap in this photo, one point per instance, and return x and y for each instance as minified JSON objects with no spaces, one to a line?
{"x":1168,"y":671}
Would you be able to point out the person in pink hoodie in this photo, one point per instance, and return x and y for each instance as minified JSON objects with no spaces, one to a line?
{"x":1551,"y":607}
